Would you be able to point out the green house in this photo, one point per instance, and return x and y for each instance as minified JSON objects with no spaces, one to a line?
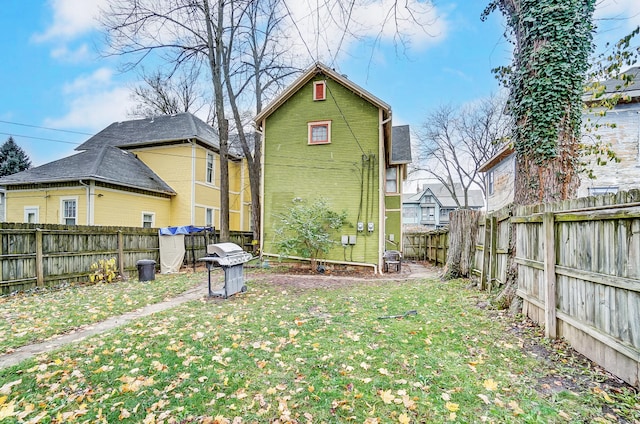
{"x":326,"y":137}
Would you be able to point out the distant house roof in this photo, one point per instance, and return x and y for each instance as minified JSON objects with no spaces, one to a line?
{"x":312,"y":71}
{"x":614,"y":86}
{"x":107,"y":164}
{"x":503,"y":153}
{"x":400,"y":145}
{"x":161,"y":129}
{"x":443,"y":196}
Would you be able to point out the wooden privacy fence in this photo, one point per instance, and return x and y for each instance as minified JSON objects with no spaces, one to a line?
{"x":38,"y":255}
{"x":427,"y":246}
{"x":492,"y":248}
{"x":578,"y":266}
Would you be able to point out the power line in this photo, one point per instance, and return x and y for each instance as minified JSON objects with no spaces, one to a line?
{"x":45,"y":128}
{"x":40,"y":138}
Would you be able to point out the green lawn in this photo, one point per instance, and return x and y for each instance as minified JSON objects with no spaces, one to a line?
{"x":30,"y":318}
{"x":284,"y":354}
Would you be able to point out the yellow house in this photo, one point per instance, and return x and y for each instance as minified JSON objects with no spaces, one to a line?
{"x":154,"y":172}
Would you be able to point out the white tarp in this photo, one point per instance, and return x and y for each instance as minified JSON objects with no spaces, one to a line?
{"x":171,"y":253}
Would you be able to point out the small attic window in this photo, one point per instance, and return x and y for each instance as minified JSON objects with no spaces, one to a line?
{"x":319,"y":90}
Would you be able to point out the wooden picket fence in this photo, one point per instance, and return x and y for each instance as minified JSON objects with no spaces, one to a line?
{"x":39,"y":255}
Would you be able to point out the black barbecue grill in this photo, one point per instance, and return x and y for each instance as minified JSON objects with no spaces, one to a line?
{"x":231,"y":258}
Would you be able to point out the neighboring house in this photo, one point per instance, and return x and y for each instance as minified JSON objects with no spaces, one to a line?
{"x":430,"y":207}
{"x":620,"y":127}
{"x":501,"y":174}
{"x":153,"y":172}
{"x":326,"y":137}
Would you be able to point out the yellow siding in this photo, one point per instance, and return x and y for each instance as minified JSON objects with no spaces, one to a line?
{"x":174,"y":165}
{"x":182,"y":167}
{"x":124,"y":208}
{"x":48,"y":204}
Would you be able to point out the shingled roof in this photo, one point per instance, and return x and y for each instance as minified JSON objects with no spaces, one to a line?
{"x":157,"y":130}
{"x":617,"y":86}
{"x":400,"y":145}
{"x":107,"y":164}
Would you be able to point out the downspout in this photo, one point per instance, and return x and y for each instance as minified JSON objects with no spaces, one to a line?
{"x":382,"y":209}
{"x":192,"y":206}
{"x":262,"y":131}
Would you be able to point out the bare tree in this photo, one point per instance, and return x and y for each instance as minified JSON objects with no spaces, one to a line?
{"x":247,"y":46}
{"x":453,"y":143}
{"x":181,"y":33}
{"x":162,"y":94}
{"x":263,"y":69}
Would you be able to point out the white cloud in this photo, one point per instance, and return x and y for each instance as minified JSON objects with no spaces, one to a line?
{"x":94,"y":101}
{"x":71,"y":18}
{"x":417,"y":23}
{"x":79,"y":55}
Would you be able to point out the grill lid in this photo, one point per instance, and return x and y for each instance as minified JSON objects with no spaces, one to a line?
{"x":223,"y":250}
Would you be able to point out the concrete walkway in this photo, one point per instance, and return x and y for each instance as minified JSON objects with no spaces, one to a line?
{"x":409,"y":271}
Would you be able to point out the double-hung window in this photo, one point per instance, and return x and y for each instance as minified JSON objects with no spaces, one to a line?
{"x":392,"y":180}
{"x":490,"y":182}
{"x":210,"y":174}
{"x":69,"y":209}
{"x":208,"y":217}
{"x":319,"y":132}
{"x":148,"y":219}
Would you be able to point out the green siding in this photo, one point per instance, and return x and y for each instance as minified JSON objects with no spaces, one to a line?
{"x":393,"y":202}
{"x":345,"y":172}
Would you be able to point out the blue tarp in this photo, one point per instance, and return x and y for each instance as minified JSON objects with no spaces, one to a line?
{"x":185,"y":229}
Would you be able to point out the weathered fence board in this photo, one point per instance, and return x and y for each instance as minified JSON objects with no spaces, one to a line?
{"x":36,"y":255}
{"x":427,"y":246}
{"x":590,"y":248}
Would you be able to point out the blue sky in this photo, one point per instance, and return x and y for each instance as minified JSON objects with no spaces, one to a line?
{"x":54,"y":76}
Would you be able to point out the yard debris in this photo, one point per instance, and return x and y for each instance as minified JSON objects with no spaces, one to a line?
{"x":406,"y":314}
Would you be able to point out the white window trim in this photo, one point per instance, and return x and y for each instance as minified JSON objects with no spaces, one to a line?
{"x":213,"y":169}
{"x":63,"y":218}
{"x":29,"y":209}
{"x":388,"y":180}
{"x":317,"y":124}
{"x":324,"y":90}
{"x":153,"y":218}
{"x":490,"y":182}
{"x":213,"y":216}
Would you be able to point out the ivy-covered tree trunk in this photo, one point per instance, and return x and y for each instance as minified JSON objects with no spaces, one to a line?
{"x":553,"y":41}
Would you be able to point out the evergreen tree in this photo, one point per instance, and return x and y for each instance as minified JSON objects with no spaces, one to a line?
{"x":12,"y":158}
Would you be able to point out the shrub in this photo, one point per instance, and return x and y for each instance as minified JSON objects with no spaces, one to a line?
{"x":104,"y":271}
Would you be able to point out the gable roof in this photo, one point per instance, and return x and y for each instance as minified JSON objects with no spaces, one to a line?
{"x":108,"y":164}
{"x":312,"y":71}
{"x":400,"y":145}
{"x":502,"y":154}
{"x":153,"y":131}
{"x":444,"y":198}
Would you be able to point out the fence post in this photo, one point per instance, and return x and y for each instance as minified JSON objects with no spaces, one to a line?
{"x":493,"y":263}
{"x":548,"y":228}
{"x":121,"y":254}
{"x":39,"y":259}
{"x":486,"y":251}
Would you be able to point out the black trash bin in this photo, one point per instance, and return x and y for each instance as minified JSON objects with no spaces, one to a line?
{"x":146,"y":270}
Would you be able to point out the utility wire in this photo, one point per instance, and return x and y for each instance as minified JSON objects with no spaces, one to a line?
{"x":344,"y":118}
